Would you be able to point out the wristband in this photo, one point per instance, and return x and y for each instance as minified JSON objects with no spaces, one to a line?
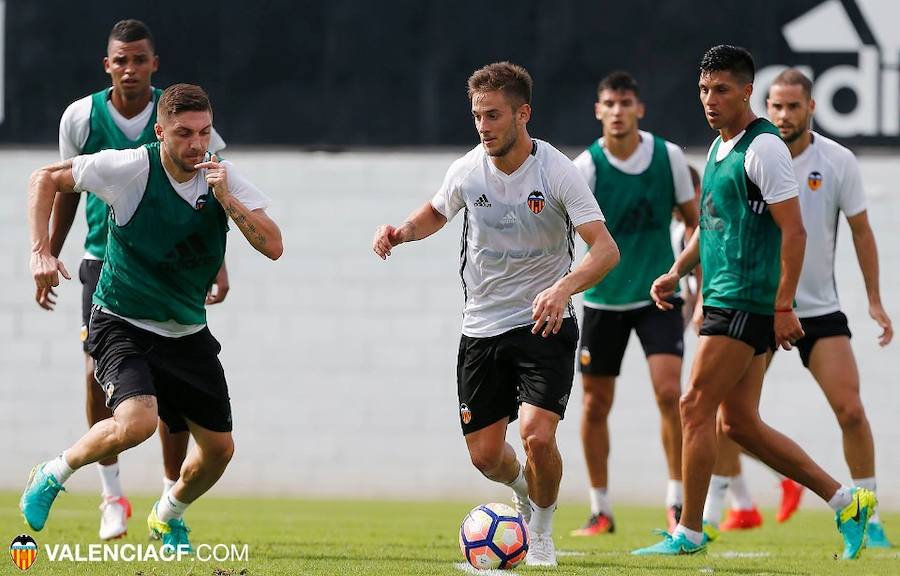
{"x":783,"y":310}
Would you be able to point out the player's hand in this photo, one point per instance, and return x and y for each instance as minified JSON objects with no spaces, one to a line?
{"x":876,"y":311}
{"x":386,"y":237}
{"x":547,"y":310}
{"x":697,"y":319}
{"x":787,"y":329}
{"x":216,"y":176}
{"x":45,"y":269}
{"x":663,"y":288}
{"x":45,"y":298}
{"x":220,"y":285}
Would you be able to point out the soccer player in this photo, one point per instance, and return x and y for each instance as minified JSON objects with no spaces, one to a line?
{"x":522,"y":202}
{"x":750,"y":242}
{"x":638,"y":179}
{"x":118,"y":117}
{"x":830,"y":183}
{"x":154,"y":355}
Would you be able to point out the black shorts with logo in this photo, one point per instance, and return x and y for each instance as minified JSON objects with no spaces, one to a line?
{"x":605,"y":334}
{"x":89,"y":275}
{"x":183,"y":373}
{"x":757,"y":330}
{"x":497,"y":373}
{"x":818,"y":327}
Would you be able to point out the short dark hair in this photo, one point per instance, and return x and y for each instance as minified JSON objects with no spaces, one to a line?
{"x":511,"y":79}
{"x":619,"y":81}
{"x":179,"y":98}
{"x":794,"y":77}
{"x":726,"y":57}
{"x":131,"y":31}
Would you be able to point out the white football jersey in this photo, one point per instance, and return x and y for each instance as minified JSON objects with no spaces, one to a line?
{"x":518,"y":237}
{"x":830,"y":183}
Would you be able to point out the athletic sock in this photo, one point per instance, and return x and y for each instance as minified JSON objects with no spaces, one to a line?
{"x":520,"y":485}
{"x":715,"y":499}
{"x":693,"y":536}
{"x":170,"y":507}
{"x":59,"y":468}
{"x":740,"y":496}
{"x":167,"y":485}
{"x":600,"y":502}
{"x":841,"y":499}
{"x":674,"y":493}
{"x":869,"y":484}
{"x":541,"y":518}
{"x":110,"y":486}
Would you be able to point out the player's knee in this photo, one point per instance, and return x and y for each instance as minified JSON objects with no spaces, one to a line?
{"x":486,"y":461}
{"x":537,"y":443}
{"x":219,"y":454}
{"x":137,"y":429}
{"x":738,"y":429}
{"x":851,"y":415}
{"x":596,"y":408}
{"x":668,"y":399}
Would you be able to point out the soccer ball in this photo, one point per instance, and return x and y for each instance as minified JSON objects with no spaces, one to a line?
{"x":493,"y":536}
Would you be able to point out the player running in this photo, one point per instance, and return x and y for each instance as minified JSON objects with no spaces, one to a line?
{"x":638,"y":179}
{"x":117,"y":117}
{"x":155,"y":356}
{"x":830,"y":183}
{"x":751,"y":242}
{"x":522,"y":201}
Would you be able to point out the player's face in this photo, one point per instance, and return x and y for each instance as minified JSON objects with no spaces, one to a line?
{"x":130,"y":65}
{"x":185,"y":137}
{"x":724,"y":98}
{"x":497,"y":122}
{"x":790,"y":110}
{"x":619,"y":112}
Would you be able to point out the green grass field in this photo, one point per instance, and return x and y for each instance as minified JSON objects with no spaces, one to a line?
{"x":288,"y":536}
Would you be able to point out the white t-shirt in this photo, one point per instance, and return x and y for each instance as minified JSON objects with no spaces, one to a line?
{"x":75,"y":128}
{"x":767,"y":163}
{"x":638,"y":163}
{"x":518,"y":234}
{"x":119,"y":178}
{"x":830,"y":183}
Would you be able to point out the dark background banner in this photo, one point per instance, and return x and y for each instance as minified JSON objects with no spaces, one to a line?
{"x":342,"y":73}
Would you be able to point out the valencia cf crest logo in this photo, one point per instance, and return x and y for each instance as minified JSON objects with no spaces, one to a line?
{"x":585,"y":356}
{"x":536,"y":201}
{"x":201,"y":201}
{"x":814,"y":180}
{"x":465,"y":414}
{"x":23,"y":551}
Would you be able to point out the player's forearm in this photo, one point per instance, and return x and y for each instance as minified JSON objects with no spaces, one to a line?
{"x":596,"y":264}
{"x":41,"y":193}
{"x":260,"y":230}
{"x":422,"y":223}
{"x":867,"y":255}
{"x":689,"y":257}
{"x":65,"y":207}
{"x":793,"y":246}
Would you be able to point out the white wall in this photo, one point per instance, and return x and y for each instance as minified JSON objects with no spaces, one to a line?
{"x":342,"y":367}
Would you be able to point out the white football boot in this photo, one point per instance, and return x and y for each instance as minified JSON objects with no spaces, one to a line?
{"x":541,"y":550}
{"x":114,"y":515}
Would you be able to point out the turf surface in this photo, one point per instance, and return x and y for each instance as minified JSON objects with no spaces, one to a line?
{"x":289,"y":537}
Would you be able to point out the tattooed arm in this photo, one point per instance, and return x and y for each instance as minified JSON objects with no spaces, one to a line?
{"x":256,"y":226}
{"x":42,"y":189}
